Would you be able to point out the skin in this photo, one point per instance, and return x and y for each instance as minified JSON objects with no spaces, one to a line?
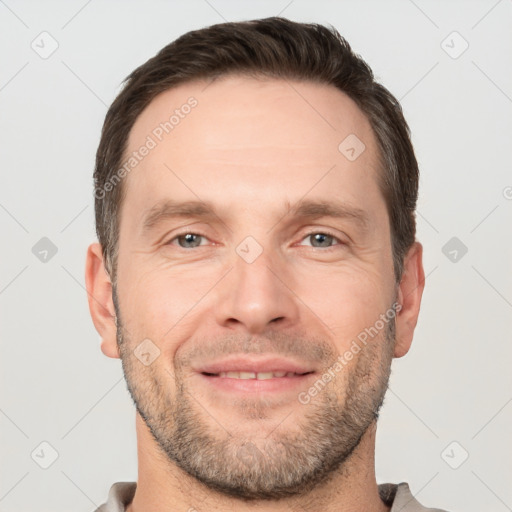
{"x":253,"y":148}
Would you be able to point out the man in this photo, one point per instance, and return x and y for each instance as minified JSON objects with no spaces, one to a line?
{"x":257,"y":269}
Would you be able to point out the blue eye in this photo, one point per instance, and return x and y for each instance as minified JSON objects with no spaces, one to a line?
{"x":324,"y":239}
{"x":318,"y":239}
{"x":190,"y":240}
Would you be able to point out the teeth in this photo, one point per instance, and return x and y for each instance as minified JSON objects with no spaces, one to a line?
{"x":264,"y":375}
{"x":259,"y":376}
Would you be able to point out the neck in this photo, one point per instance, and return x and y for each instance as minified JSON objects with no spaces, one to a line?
{"x":163,"y":486}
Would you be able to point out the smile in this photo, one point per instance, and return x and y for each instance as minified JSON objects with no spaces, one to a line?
{"x":253,"y":375}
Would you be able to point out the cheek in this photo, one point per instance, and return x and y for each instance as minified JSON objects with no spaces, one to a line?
{"x":159,"y":305}
{"x":345,"y":300}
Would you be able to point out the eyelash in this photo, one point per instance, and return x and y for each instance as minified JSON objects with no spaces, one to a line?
{"x":316,"y":232}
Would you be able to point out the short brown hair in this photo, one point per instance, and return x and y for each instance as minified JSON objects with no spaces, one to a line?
{"x":275,"y":48}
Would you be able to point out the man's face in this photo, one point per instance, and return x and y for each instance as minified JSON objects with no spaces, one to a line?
{"x":257,"y":280}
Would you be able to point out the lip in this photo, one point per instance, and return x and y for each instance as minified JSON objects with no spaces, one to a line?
{"x":261,"y":364}
{"x":237,"y":363}
{"x":255,"y":386}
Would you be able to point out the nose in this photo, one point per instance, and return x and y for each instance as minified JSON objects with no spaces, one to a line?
{"x":256,"y":294}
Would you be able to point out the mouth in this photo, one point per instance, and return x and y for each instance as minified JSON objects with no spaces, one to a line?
{"x":257,"y":383}
{"x":255,"y":375}
{"x":242,"y":373}
{"x":251,"y":383}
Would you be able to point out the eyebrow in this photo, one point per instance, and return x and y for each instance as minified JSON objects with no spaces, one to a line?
{"x":309,"y":209}
{"x":171,"y":209}
{"x":303,"y":210}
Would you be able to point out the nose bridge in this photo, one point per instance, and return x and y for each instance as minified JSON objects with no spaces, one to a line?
{"x":253,"y":270}
{"x":254,"y":293}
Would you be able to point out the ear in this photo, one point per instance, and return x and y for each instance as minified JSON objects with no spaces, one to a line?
{"x":409,"y":297}
{"x":101,"y":305}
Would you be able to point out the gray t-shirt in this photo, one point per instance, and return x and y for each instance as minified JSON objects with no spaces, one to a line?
{"x":398,"y":495}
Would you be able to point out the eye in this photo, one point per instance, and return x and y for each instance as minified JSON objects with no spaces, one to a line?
{"x":323,"y":239}
{"x":319,"y":240}
{"x":187,"y":240}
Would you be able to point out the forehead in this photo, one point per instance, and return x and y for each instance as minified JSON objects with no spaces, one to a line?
{"x":292,"y":114}
{"x":245,"y":132}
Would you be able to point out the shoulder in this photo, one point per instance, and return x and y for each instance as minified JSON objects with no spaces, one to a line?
{"x":119,"y":496}
{"x":400,"y":497}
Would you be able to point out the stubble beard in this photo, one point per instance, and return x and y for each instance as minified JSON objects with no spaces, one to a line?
{"x":307,"y":448}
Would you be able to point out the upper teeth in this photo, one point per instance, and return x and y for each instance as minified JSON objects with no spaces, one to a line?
{"x":259,"y":375}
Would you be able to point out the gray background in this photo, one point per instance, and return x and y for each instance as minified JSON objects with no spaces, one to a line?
{"x":455,"y":383}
